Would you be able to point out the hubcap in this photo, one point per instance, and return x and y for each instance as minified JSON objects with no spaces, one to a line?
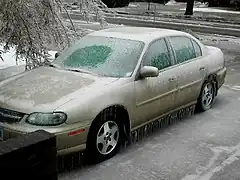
{"x":107,"y":137}
{"x":207,"y":95}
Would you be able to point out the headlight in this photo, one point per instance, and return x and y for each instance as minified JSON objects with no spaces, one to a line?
{"x":46,"y":119}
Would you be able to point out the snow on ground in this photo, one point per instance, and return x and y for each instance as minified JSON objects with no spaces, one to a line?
{"x":10,"y":59}
{"x":133,"y":5}
{"x":9,"y":67}
{"x":196,"y":3}
{"x":212,"y":10}
{"x":220,"y":38}
{"x":171,"y":2}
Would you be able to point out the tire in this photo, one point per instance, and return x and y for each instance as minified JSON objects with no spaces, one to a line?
{"x":207,"y":96}
{"x":103,"y":131}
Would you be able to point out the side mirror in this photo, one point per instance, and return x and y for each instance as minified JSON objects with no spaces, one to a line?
{"x":57,"y":54}
{"x":149,"y":71}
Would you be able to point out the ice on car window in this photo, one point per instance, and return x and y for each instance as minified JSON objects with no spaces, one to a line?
{"x":183,"y":48}
{"x":90,"y":56}
{"x":197,"y":49}
{"x":158,"y":55}
{"x":113,"y":57}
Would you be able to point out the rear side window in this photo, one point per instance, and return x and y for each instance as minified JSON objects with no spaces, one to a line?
{"x":197,"y":48}
{"x":183,"y":48}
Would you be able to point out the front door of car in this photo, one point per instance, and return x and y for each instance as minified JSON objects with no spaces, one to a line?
{"x":155,"y":95}
{"x":190,"y":69}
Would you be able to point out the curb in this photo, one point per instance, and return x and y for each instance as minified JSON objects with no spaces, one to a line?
{"x":167,"y":25}
{"x":176,"y":26}
{"x":186,"y":21}
{"x":177,"y":17}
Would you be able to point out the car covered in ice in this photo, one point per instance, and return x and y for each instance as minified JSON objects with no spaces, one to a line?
{"x":110,"y":83}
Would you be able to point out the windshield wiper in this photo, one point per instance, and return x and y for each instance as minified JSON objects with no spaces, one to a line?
{"x":70,"y":69}
{"x":79,"y":70}
{"x":84,"y":71}
{"x":52,"y":65}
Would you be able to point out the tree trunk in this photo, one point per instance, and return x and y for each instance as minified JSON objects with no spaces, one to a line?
{"x":189,"y":7}
{"x":149,"y":3}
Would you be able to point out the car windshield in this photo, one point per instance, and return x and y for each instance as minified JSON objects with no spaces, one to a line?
{"x":112,"y":57}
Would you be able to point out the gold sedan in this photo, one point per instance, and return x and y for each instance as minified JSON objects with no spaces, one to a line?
{"x":110,"y":83}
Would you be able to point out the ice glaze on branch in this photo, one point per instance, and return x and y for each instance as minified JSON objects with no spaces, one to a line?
{"x":31,"y":25}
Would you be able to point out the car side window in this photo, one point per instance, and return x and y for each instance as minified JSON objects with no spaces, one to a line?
{"x":183,"y":48}
{"x":197,"y":48}
{"x":158,"y":55}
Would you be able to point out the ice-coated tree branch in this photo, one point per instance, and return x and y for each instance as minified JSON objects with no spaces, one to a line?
{"x":30,"y":26}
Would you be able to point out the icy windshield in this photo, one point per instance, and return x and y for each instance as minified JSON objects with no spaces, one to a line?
{"x":112,"y":57}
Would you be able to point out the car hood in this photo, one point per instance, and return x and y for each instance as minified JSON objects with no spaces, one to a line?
{"x":45,"y":88}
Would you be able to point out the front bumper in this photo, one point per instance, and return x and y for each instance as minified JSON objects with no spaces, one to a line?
{"x":70,"y":138}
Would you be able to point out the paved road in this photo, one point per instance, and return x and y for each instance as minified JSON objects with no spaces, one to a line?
{"x":205,"y":146}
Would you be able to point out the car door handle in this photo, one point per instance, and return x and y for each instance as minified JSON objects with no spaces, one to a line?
{"x":202,"y":69}
{"x":171,"y":79}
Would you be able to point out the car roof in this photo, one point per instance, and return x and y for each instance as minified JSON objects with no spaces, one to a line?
{"x":143,"y":34}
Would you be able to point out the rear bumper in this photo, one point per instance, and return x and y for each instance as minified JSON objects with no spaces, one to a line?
{"x":221,"y":77}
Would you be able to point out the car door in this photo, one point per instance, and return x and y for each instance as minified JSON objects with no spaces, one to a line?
{"x":190,"y":69}
{"x":155,"y":95}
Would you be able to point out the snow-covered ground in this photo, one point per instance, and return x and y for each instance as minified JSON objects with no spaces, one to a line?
{"x":9,"y":67}
{"x":213,"y":10}
{"x":133,"y":5}
{"x":10,"y":59}
{"x":171,"y":2}
{"x":198,"y":7}
{"x":220,"y":38}
{"x":196,"y":3}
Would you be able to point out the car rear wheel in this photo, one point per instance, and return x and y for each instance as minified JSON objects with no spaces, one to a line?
{"x":105,"y":139}
{"x":207,"y":96}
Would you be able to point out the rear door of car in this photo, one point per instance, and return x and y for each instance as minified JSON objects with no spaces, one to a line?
{"x":190,"y":68}
{"x":156,"y":95}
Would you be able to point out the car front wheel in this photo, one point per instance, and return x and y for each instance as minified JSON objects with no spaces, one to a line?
{"x":105,"y":139}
